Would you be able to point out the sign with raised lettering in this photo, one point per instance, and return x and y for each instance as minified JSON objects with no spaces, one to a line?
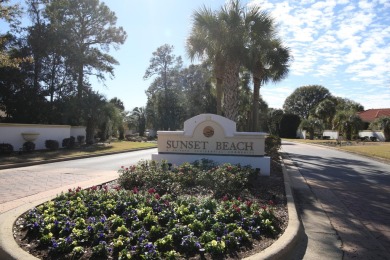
{"x":211,"y":134}
{"x":213,"y":137}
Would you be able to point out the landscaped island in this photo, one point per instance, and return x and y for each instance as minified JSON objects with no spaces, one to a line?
{"x":156,"y":211}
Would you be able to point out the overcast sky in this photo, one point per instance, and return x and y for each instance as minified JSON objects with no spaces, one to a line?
{"x":339,"y":44}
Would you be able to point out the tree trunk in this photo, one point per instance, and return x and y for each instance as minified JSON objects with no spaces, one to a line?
{"x":255,"y":105}
{"x":219,"y":71}
{"x":311,"y":134}
{"x":80,"y":81}
{"x":386,"y":133}
{"x":231,"y":91}
{"x":219,"y":96}
{"x":348,"y":133}
{"x":257,"y":76}
{"x":90,"y":132}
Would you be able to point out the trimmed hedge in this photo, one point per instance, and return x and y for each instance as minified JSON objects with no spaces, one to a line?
{"x":29,"y":147}
{"x":52,"y":145}
{"x":6,"y":149}
{"x":69,"y":142}
{"x":272,"y":146}
{"x":81,"y":139}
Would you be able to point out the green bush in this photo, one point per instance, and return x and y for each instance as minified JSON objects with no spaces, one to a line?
{"x":221,"y":180}
{"x":272,"y":146}
{"x":6,"y":149}
{"x":148,"y":174}
{"x":52,"y":145}
{"x":28,"y":147}
{"x":227,"y":179}
{"x":68,"y":142}
{"x":80,"y":139}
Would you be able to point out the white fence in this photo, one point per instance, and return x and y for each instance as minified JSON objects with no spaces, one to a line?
{"x":301,"y":134}
{"x":380,"y":136}
{"x":334,"y":135}
{"x":17,"y":134}
{"x":331,"y":133}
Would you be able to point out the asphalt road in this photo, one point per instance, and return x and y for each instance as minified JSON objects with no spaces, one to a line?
{"x":21,"y":182}
{"x":354,"y":193}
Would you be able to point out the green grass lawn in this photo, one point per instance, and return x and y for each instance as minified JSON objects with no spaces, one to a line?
{"x":381,"y":150}
{"x":117,"y":146}
{"x":374,"y":149}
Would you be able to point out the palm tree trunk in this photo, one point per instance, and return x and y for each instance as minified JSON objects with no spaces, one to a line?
{"x":80,"y":81}
{"x":219,"y":96}
{"x":219,"y":71}
{"x":255,"y":105}
{"x":90,"y":130}
{"x":231,"y":91}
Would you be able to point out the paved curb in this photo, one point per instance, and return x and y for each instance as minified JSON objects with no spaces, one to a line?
{"x":14,"y":165}
{"x":281,"y":249}
{"x":285,"y":245}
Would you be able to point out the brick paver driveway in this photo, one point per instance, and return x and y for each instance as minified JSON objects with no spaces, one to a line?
{"x":354,"y":191}
{"x":17,"y":184}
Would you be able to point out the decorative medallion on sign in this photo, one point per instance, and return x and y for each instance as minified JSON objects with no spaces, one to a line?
{"x":208,"y":131}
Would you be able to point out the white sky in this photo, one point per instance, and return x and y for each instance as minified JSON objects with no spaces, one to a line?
{"x":339,"y":44}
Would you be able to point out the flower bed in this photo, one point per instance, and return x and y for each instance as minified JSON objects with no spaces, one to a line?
{"x":166,"y":213}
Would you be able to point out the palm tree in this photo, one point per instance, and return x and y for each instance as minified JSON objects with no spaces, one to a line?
{"x":92,"y":107}
{"x":205,"y":42}
{"x":382,"y":123}
{"x":267,"y":59}
{"x":233,"y":18}
{"x":311,"y":125}
{"x":139,"y":116}
{"x":326,"y":110}
{"x":228,"y":38}
{"x":347,"y":122}
{"x":219,"y":37}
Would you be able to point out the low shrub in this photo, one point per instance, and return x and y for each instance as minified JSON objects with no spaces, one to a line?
{"x":80,"y":139}
{"x":221,"y":180}
{"x":137,"y":138}
{"x":52,"y":145}
{"x":148,"y":174}
{"x":272,"y":146}
{"x":6,"y":149}
{"x":69,"y":142}
{"x":29,"y":147}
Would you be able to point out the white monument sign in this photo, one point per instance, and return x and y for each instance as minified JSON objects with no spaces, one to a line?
{"x":213,"y":137}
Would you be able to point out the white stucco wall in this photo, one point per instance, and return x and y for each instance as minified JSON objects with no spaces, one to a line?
{"x":334,"y":135}
{"x":76,"y":131}
{"x":12,"y":134}
{"x":378,"y":134}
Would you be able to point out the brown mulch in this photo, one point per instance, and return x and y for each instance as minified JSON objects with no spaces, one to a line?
{"x":266,"y":189}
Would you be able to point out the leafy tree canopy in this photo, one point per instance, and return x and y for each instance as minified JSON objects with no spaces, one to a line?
{"x":88,"y":30}
{"x":304,"y":99}
{"x":347,"y":104}
{"x":10,"y":15}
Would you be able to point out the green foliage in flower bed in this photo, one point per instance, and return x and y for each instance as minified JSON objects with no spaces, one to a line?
{"x":143,"y":222}
{"x":221,"y":180}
